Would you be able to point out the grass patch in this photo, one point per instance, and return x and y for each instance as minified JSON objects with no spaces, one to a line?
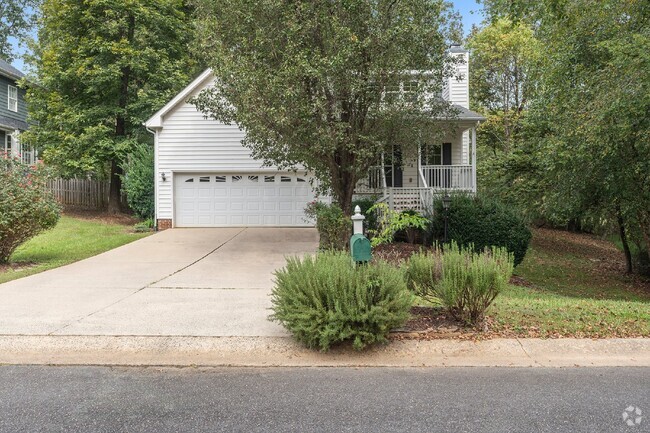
{"x":574,"y":286}
{"x":72,"y":239}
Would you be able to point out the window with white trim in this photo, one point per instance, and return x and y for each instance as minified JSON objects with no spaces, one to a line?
{"x":9,"y":139}
{"x":12,"y":98}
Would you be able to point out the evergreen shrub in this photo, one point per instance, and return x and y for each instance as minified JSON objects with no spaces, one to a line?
{"x":325,"y":299}
{"x":482,"y":222}
{"x":463,"y":281}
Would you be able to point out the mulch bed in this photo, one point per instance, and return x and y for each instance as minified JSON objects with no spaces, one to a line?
{"x":603,"y":260}
{"x":397,"y":252}
{"x":430,"y":323}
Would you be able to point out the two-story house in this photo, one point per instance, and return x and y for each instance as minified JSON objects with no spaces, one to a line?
{"x":205,"y":177}
{"x":13,"y":114}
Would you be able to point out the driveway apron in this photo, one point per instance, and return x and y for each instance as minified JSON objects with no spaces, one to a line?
{"x":195,"y":282}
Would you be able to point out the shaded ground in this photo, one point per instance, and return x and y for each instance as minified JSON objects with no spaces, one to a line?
{"x":100,"y":216}
{"x":569,"y":285}
{"x":573,"y":284}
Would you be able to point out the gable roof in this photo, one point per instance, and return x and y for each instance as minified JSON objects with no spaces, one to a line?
{"x":156,"y":120}
{"x":9,"y":71}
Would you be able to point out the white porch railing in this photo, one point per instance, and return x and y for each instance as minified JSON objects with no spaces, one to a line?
{"x":437,"y":179}
{"x":417,"y":199}
{"x":449,"y":177}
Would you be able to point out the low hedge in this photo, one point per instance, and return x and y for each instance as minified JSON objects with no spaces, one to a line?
{"x":324,"y":300}
{"x":483,"y":223}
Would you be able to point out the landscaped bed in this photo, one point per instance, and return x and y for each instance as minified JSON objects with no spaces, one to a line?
{"x":569,"y":285}
{"x":77,"y":235}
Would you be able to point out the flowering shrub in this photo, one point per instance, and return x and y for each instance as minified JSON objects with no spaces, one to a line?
{"x":26,"y":207}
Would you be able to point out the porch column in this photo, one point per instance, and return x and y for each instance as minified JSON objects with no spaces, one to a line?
{"x":473,"y":133}
{"x":383,"y":173}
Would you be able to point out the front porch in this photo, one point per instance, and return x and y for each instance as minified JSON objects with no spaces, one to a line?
{"x":413,"y":183}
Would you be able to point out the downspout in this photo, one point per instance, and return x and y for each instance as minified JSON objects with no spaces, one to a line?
{"x":155,"y":177}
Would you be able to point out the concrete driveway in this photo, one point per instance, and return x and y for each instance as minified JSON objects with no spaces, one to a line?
{"x":194,"y":282}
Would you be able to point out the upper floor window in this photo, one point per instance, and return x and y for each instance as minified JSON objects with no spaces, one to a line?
{"x":12,"y":98}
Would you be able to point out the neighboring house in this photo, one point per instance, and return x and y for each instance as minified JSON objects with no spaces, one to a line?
{"x":206,"y":178}
{"x":13,"y":114}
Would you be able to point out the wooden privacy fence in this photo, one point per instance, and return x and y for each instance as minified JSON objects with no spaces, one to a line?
{"x":88,"y":193}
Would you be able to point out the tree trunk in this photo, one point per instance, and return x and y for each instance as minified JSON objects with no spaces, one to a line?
{"x":114,"y":195}
{"x":626,"y":246}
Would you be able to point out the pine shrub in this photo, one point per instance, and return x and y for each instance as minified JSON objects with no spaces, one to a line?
{"x":422,"y":272}
{"x":325,"y":299}
{"x":463,"y":281}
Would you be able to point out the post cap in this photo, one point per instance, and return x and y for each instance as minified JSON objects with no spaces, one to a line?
{"x":357,"y":214}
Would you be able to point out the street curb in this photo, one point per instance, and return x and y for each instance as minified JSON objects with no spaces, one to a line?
{"x":284,"y":352}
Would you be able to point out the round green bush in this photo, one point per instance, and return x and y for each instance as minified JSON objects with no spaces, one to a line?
{"x":324,"y":300}
{"x":138,"y":181}
{"x":334,"y":228}
{"x":482,"y":222}
{"x":26,"y":206}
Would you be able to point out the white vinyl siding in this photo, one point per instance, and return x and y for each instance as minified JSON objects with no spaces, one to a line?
{"x":12,"y":98}
{"x":189,"y":143}
{"x":456,"y":89}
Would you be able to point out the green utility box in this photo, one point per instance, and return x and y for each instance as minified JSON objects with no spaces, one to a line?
{"x":360,"y":248}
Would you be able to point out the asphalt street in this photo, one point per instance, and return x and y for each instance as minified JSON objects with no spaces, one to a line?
{"x":102,"y":399}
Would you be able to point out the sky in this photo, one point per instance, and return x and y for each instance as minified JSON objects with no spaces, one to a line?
{"x":469,"y":10}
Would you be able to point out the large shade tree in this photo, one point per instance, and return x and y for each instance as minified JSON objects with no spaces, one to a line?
{"x":586,"y":139}
{"x":596,"y":96}
{"x":16,"y":21}
{"x":102,"y":68}
{"x":326,"y":85}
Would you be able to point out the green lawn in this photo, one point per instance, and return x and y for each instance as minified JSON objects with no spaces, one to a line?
{"x":575,"y":286}
{"x":71,"y":240}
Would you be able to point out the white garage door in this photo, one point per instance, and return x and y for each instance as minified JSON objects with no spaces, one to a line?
{"x":246,"y":199}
